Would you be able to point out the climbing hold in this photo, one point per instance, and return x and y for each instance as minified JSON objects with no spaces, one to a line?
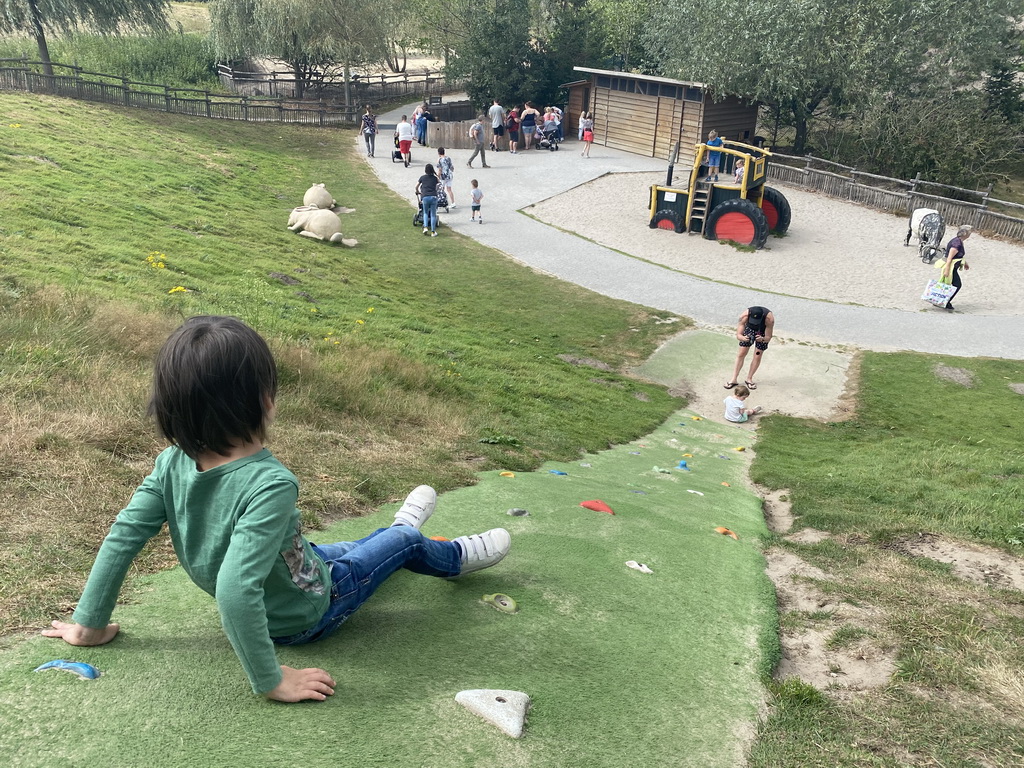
{"x":642,"y":493}
{"x":726,"y":532}
{"x":504,"y":709}
{"x":726,"y":485}
{"x":506,"y":474}
{"x":597,"y":505}
{"x":642,"y":567}
{"x":724,"y":457}
{"x":687,"y":455}
{"x":697,"y":492}
{"x":503,"y":603}
{"x":517,"y":512}
{"x":662,"y":470}
{"x":635,"y":453}
{"x":740,"y":448}
{"x":438,"y":538}
{"x":697,"y":418}
{"x":682,"y":465}
{"x":80,"y":668}
{"x":557,"y":472}
{"x":585,"y":464}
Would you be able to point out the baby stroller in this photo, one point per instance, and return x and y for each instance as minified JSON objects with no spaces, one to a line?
{"x":549,"y":137}
{"x":396,"y":155}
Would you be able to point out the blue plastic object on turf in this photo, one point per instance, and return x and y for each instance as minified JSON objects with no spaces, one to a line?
{"x":557,"y":472}
{"x":80,"y":668}
{"x":682,"y":465}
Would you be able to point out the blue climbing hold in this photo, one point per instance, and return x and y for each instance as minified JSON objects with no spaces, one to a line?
{"x":557,"y":472}
{"x":682,"y":465}
{"x":80,"y":668}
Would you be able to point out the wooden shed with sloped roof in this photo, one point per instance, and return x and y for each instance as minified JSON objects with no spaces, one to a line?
{"x":648,"y":115}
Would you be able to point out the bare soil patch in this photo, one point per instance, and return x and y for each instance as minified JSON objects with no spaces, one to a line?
{"x":971,"y":562}
{"x":961,"y":376}
{"x":811,"y":653}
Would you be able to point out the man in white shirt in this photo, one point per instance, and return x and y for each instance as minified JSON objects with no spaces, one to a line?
{"x":405,"y":135}
{"x":497,"y":115}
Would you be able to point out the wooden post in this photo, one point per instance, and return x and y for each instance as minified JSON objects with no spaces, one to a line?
{"x":124,"y":85}
{"x":167,"y":98}
{"x":208,"y":112}
{"x":245,"y":110}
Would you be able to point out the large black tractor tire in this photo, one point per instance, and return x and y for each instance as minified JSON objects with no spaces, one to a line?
{"x":776,"y":209}
{"x":739,"y":221}
{"x":666,"y":219}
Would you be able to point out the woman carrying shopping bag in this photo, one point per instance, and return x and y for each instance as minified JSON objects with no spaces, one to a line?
{"x":956,"y":256}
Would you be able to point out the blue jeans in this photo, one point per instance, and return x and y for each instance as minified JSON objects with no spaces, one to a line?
{"x":358,"y":568}
{"x":430,"y":212}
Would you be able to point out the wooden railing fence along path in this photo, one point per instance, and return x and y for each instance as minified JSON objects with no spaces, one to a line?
{"x":980,"y":210}
{"x":381,"y":87}
{"x":73,"y":82}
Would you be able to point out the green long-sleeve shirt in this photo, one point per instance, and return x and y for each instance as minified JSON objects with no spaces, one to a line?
{"x":235,"y":529}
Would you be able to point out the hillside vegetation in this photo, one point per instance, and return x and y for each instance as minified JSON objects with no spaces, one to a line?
{"x":404,"y":360}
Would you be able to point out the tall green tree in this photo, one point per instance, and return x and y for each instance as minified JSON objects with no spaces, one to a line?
{"x":310,"y":37}
{"x":497,"y":54}
{"x":806,"y":56}
{"x":37,"y":18}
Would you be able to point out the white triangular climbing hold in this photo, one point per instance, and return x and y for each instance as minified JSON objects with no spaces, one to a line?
{"x":505,"y":709}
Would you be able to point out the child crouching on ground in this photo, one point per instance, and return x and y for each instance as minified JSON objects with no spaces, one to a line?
{"x":734,"y":410}
{"x":230,"y":508}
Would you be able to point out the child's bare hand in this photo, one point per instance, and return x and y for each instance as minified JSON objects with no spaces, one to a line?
{"x":302,"y":684}
{"x":76,"y":634}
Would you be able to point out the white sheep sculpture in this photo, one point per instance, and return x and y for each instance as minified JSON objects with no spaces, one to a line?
{"x":311,"y":221}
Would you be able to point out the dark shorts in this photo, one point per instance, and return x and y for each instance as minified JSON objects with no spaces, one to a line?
{"x":474,"y":207}
{"x":513,"y":135}
{"x":750,"y":333}
{"x":499,"y":130}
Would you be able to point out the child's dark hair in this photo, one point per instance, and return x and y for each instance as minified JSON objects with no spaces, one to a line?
{"x":214,"y":382}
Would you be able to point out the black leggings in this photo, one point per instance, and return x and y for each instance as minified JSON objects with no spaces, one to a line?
{"x":955,"y":280}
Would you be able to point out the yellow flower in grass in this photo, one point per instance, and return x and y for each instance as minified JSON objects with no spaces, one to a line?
{"x":360,"y":322}
{"x":314,"y":309}
{"x":178,"y":289}
{"x":14,"y":125}
{"x":369,"y":311}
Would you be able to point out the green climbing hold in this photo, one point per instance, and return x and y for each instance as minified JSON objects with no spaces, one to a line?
{"x":503,"y":603}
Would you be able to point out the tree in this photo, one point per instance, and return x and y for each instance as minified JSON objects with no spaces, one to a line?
{"x":624,"y":23}
{"x":36,"y":18}
{"x":807,"y":56}
{"x":309,"y":37}
{"x":497,"y":53}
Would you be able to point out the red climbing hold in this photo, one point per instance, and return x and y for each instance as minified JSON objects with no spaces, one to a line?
{"x":597,"y":505}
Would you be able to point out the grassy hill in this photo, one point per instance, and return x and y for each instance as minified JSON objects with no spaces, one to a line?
{"x":404,"y":360}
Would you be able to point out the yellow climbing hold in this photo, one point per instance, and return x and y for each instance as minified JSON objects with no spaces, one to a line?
{"x":687,"y":455}
{"x":740,"y":448}
{"x":726,"y":485}
{"x":697,"y":418}
{"x":509,"y":474}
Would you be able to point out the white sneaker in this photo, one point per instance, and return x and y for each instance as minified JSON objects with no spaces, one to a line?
{"x":482,"y":550}
{"x":418,"y":507}
{"x":426,"y":231}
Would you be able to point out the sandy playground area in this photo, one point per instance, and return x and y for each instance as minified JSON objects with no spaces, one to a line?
{"x":834,"y":251}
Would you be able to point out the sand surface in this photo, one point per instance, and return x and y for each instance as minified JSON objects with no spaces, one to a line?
{"x":835,"y":250}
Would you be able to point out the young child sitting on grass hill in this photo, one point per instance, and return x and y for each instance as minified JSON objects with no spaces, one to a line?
{"x":230,"y":507}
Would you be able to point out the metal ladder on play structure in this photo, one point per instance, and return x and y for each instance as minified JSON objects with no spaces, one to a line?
{"x":698,"y":212}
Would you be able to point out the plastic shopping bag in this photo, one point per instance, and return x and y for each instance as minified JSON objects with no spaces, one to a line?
{"x":938,"y":293}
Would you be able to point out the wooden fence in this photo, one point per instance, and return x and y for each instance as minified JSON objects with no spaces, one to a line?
{"x":899,"y":196}
{"x":363,"y":89}
{"x":75,"y":83}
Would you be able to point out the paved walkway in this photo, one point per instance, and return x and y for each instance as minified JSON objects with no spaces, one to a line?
{"x":516,"y":181}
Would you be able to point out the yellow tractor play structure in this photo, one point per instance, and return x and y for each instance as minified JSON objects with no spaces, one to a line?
{"x":743,"y":211}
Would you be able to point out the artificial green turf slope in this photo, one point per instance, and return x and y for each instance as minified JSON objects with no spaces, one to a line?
{"x":623,"y":668}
